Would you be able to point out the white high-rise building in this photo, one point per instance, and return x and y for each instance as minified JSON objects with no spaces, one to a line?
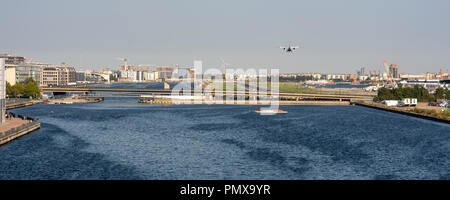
{"x":152,"y":75}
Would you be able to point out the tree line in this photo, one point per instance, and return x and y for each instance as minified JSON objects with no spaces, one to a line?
{"x":420,"y":93}
{"x":29,"y":88}
{"x":442,"y":93}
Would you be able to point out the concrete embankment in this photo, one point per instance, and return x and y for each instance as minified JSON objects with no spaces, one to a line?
{"x":166,"y":101}
{"x":401,"y":111}
{"x":75,"y":100}
{"x":17,"y":126}
{"x":19,"y":104}
{"x":327,"y":103}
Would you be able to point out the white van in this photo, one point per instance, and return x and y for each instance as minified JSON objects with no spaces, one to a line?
{"x":413,"y":102}
{"x":405,"y":102}
{"x":408,"y":102}
{"x":390,"y":102}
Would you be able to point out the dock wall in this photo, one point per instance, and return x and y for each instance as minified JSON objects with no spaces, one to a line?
{"x":76,"y":100}
{"x":19,"y":105}
{"x":168,"y":101}
{"x":20,"y":131}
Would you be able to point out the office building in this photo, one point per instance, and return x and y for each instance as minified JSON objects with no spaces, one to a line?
{"x":393,"y":70}
{"x":12,"y":59}
{"x":164,"y":72}
{"x":28,"y":70}
{"x":58,"y":75}
{"x":89,"y":76}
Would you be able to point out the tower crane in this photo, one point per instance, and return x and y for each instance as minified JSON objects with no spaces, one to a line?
{"x":29,"y":59}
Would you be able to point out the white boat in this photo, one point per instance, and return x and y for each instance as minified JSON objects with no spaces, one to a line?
{"x":270,"y":111}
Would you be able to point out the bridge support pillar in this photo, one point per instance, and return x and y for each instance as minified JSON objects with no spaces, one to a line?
{"x":166,"y":86}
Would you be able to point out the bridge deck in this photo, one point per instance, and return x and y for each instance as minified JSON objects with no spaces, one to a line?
{"x":168,"y":92}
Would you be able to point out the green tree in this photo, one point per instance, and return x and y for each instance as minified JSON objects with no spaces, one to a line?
{"x":18,"y":89}
{"x":112,"y":77}
{"x":398,"y":93}
{"x":31,"y":88}
{"x":9,"y":89}
{"x":424,"y":94}
{"x":384,"y":94}
{"x":442,"y":93}
{"x":439,"y":93}
{"x":28,"y":80}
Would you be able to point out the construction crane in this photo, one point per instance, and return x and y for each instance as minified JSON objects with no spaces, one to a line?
{"x":390,"y":75}
{"x":29,"y":59}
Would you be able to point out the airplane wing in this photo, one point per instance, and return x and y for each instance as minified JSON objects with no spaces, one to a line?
{"x":283,"y":47}
{"x":295,"y":47}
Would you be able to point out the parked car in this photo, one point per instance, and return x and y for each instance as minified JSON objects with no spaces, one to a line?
{"x":432,"y":104}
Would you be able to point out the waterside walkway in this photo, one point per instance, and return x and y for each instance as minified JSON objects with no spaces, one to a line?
{"x":16,"y":126}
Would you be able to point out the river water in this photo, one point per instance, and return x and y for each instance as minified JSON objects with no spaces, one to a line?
{"x":121,"y":139}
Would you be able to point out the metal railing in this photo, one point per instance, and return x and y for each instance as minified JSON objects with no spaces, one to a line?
{"x":33,"y":122}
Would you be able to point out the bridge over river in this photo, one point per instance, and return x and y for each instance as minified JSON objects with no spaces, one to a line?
{"x":136,"y":92}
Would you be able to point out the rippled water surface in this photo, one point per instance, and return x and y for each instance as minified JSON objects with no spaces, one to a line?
{"x":121,"y":139}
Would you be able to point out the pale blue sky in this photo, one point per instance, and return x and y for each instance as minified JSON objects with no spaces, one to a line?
{"x":338,"y":36}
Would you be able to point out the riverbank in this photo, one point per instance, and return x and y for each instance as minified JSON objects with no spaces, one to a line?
{"x":293,"y":87}
{"x":69,"y":100}
{"x":19,"y":105}
{"x":168,"y":101}
{"x":430,"y":114}
{"x":75,"y":100}
{"x":17,"y":126}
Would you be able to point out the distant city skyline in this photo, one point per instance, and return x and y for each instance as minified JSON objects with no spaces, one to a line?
{"x":337,"y":36}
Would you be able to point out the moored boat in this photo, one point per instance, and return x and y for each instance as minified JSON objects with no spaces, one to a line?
{"x":264,"y":111}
